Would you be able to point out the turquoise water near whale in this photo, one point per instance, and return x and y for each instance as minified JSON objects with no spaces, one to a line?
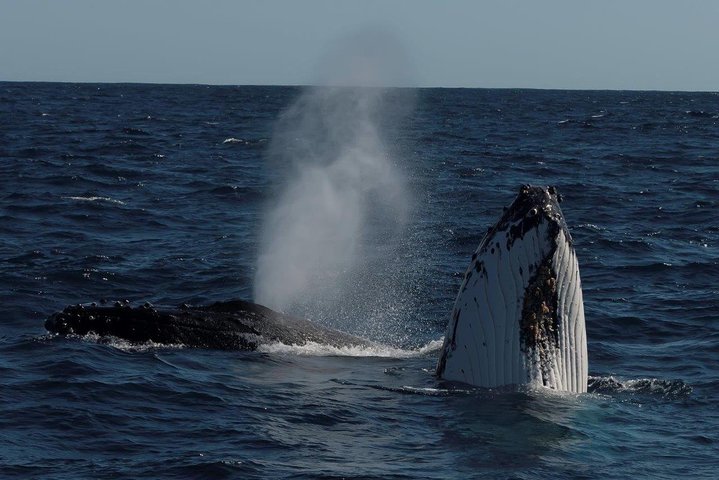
{"x":158,"y":193}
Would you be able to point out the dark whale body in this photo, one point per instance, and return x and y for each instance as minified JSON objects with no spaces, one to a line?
{"x":231,"y":325}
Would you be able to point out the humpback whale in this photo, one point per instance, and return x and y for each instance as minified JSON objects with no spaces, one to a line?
{"x":231,"y":325}
{"x":518,"y":319}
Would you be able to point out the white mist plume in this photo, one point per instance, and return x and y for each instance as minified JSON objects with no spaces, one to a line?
{"x":342,"y":191}
{"x":329,"y":243}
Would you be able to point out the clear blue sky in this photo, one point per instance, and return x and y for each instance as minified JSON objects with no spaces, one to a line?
{"x":605,"y":44}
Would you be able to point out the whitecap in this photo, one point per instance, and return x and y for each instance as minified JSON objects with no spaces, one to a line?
{"x":233,"y":140}
{"x":96,"y":199}
{"x":591,"y":226}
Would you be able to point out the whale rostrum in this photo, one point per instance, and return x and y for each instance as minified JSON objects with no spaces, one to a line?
{"x":518,"y":319}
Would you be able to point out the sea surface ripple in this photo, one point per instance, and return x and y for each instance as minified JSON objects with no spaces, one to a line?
{"x":157,"y":192}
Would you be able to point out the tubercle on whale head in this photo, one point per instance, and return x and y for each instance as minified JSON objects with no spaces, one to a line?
{"x":66,"y":322}
{"x":533,"y":200}
{"x":74,"y":319}
{"x":531,"y":206}
{"x":81,"y":319}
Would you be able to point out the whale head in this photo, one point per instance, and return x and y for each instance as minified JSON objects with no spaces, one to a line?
{"x":519,"y":316}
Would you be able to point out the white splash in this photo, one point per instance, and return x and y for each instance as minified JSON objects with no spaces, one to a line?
{"x":322,"y":350}
{"x":125,"y":345}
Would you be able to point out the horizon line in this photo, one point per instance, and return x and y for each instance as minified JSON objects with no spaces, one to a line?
{"x":417,"y":87}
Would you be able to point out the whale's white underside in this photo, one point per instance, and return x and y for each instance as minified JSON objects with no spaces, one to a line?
{"x":484,"y":344}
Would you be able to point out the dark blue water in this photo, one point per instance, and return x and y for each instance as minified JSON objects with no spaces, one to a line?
{"x":132,"y":192}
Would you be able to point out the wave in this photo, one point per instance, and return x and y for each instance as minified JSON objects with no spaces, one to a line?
{"x":323,"y":350}
{"x":308,"y":349}
{"x":700,"y":114}
{"x":610,"y":386}
{"x":122,"y":344}
{"x":96,"y":199}
{"x":644,"y":386}
{"x":134,"y":131}
{"x":252,"y":142}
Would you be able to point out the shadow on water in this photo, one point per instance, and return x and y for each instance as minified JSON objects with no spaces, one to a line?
{"x":509,"y":431}
{"x":540,"y":433}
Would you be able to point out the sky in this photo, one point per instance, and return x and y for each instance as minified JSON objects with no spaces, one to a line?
{"x":565,"y":44}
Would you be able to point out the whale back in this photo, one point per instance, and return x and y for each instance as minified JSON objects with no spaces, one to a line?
{"x":519,"y":316}
{"x":230,"y":325}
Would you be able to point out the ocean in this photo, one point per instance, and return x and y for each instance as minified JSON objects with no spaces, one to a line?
{"x":192,"y":194}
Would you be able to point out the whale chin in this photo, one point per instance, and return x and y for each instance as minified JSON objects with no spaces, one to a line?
{"x":518,"y":320}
